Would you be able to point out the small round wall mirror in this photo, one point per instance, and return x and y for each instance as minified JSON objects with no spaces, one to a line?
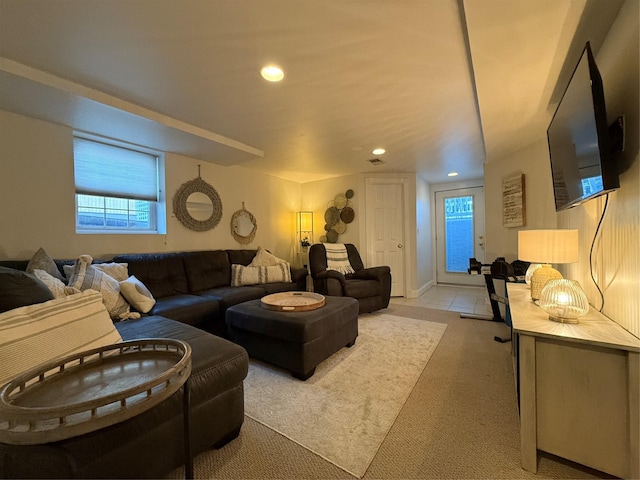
{"x":197,"y":205}
{"x":243,"y":226}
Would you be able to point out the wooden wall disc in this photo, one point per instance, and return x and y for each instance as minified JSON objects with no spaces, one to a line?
{"x":347,"y":215}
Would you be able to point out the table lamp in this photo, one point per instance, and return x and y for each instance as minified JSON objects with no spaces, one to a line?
{"x":547,"y":247}
{"x":564,"y":300}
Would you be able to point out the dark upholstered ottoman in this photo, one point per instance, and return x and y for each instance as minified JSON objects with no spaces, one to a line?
{"x":296,"y":341}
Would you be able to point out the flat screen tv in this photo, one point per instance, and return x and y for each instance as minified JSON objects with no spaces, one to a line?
{"x":582,"y":162}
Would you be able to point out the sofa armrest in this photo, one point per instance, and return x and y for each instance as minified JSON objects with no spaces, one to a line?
{"x":298,"y":274}
{"x":331,"y":274}
{"x":373,"y":273}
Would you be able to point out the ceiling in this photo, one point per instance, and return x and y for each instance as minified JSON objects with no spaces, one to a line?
{"x":442,"y":85}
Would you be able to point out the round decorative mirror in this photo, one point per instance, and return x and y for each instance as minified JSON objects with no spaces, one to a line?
{"x":243,"y":226}
{"x":197,"y":205}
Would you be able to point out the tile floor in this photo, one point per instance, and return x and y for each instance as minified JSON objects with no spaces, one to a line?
{"x":473,"y":300}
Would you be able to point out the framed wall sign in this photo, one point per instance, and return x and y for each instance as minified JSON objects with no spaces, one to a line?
{"x":513,"y":201}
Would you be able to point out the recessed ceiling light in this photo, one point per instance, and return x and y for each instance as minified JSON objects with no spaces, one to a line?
{"x":272,"y":73}
{"x":378,"y":151}
{"x":452,"y":174}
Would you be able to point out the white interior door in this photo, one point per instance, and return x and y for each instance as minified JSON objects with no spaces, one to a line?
{"x":385,"y":230}
{"x":459,"y":235}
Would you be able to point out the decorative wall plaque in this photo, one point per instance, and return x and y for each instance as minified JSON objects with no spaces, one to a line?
{"x":513,"y":201}
{"x":339,"y":213}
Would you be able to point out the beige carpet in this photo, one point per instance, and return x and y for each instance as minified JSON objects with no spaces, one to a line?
{"x":459,"y":422}
{"x":345,"y":410}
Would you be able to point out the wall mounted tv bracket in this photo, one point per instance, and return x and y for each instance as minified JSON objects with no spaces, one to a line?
{"x":616,"y":135}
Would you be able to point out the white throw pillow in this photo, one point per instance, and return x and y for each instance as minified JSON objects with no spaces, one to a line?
{"x":264,"y":259}
{"x":85,"y":276}
{"x":58,"y":289}
{"x":241,"y":275}
{"x":137,"y":294}
{"x":39,"y":333}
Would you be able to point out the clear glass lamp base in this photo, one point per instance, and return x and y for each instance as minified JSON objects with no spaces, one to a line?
{"x":563,"y":320}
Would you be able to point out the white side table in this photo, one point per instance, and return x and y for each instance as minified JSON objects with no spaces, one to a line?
{"x":579,"y":388}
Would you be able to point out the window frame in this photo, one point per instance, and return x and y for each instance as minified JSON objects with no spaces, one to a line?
{"x":157,"y":208}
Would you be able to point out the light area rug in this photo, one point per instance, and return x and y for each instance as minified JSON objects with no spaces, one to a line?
{"x":345,"y":410}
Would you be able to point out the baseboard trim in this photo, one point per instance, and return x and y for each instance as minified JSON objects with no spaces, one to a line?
{"x":421,"y":290}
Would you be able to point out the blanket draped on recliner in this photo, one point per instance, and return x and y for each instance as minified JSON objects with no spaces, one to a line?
{"x":337,"y":258}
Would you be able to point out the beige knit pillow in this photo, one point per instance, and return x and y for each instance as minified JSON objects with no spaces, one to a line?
{"x":264,"y":259}
{"x":57,"y":287}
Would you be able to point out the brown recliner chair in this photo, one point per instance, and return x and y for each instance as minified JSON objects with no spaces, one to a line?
{"x":370,"y":286}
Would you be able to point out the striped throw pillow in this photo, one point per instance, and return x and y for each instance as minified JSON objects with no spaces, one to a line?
{"x":36,"y":334}
{"x":86,"y":276}
{"x":241,"y":275}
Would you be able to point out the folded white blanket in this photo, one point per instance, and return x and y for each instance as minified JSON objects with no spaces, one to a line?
{"x":337,"y":258}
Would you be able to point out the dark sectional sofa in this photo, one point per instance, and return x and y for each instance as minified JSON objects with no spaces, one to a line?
{"x":195,"y":287}
{"x":192,"y":290}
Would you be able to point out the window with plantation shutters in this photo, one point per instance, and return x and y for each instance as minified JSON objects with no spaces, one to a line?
{"x":117,"y":188}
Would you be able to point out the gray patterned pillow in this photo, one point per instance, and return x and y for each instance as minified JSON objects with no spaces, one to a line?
{"x":42,"y":261}
{"x":85,"y":276}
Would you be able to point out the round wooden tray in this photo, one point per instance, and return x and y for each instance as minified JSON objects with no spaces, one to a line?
{"x":293,"y":301}
{"x":91,"y":390}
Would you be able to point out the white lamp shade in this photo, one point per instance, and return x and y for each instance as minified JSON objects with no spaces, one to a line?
{"x":548,"y":246}
{"x":564,"y":300}
{"x":305,"y":221}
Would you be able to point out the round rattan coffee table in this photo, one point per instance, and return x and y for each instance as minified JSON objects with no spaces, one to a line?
{"x":94,"y":389}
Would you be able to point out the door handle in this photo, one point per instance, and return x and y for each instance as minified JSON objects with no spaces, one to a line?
{"x":399,"y":245}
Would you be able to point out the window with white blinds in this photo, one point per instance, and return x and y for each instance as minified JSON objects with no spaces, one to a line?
{"x":117,"y":188}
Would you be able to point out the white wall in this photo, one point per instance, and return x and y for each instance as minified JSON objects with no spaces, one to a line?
{"x":424,"y":237}
{"x":533,"y":161}
{"x":37,"y":200}
{"x":616,"y":256}
{"x":617,"y":252}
